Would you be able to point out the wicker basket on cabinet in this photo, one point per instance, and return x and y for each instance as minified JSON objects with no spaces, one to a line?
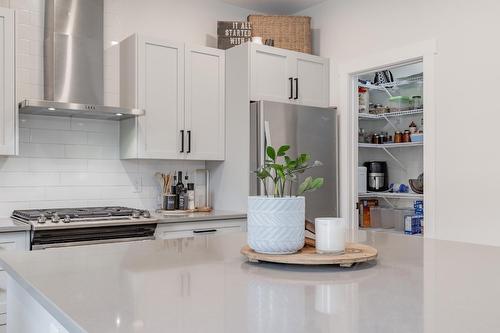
{"x":288,"y":32}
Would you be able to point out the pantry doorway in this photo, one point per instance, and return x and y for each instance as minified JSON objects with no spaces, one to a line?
{"x":418,"y":54}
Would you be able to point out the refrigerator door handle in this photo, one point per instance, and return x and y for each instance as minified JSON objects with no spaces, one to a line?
{"x":261,"y":143}
{"x":296,"y":88}
{"x":291,"y":87}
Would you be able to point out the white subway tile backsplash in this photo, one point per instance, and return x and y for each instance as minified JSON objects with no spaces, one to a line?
{"x":7,"y":207}
{"x":23,"y":17}
{"x":57,"y":165}
{"x":98,"y":179}
{"x":13,"y":164}
{"x":23,"y":46}
{"x":24,"y":29}
{"x":89,"y":152}
{"x":9,"y":194}
{"x":73,"y":193}
{"x":95,"y":125}
{"x":41,"y":150}
{"x":36,"y":48}
{"x":44,"y":122}
{"x":103,"y":138}
{"x":24,"y":135}
{"x":29,"y":179}
{"x":115,"y":166}
{"x":23,"y":75}
{"x":57,"y":204}
{"x":36,"y":19}
{"x":60,"y":137}
{"x":27,"y":61}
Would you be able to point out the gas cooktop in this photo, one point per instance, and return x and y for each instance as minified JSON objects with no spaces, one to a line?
{"x":81,"y":217}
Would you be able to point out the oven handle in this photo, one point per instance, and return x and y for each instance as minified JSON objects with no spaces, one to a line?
{"x":92,"y":242}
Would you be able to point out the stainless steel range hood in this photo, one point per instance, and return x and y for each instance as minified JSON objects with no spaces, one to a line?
{"x":73,"y":63}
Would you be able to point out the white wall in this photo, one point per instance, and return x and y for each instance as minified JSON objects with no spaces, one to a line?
{"x":75,"y":162}
{"x":467,"y":69}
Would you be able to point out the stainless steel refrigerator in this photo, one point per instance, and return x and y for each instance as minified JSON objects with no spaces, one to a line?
{"x":308,"y":130}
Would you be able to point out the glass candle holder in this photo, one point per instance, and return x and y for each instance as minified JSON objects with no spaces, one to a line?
{"x":330,"y":234}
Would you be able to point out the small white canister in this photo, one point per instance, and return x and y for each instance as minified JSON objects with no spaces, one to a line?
{"x":330,"y":234}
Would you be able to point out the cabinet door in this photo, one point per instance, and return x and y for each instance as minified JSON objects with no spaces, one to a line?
{"x":10,"y":241}
{"x":204,"y":103}
{"x":161,"y":95}
{"x":312,"y":86}
{"x":7,"y":92}
{"x":271,"y":74}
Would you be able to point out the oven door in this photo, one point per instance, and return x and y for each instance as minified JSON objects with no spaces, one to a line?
{"x":45,"y":239}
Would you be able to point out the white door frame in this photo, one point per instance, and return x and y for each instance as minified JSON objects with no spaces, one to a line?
{"x":348,"y":149}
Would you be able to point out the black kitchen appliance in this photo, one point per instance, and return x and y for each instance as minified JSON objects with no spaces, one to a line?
{"x":377,"y":176}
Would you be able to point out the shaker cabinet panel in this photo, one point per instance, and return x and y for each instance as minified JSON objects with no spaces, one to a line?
{"x":8,"y":136}
{"x":162,"y":96}
{"x":313,"y":80}
{"x":271,"y":74}
{"x":285,"y":76}
{"x":204,"y":103}
{"x":181,"y":88}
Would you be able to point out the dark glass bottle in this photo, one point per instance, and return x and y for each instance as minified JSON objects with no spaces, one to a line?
{"x":179,"y":187}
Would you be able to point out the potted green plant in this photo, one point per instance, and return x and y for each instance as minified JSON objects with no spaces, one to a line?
{"x":276,"y":219}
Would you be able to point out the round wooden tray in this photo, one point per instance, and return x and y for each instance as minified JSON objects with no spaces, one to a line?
{"x":354,"y":253}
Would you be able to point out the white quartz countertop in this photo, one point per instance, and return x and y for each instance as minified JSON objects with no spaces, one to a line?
{"x":201,"y":216}
{"x":8,"y":225}
{"x":204,"y":285}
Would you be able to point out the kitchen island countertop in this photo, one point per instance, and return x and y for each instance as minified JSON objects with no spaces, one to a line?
{"x":203,"y":284}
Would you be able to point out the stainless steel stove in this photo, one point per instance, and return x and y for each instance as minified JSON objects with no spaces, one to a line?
{"x":89,"y":225}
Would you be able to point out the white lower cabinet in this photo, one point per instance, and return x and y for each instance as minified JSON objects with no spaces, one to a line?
{"x":193,"y":229}
{"x":9,"y":241}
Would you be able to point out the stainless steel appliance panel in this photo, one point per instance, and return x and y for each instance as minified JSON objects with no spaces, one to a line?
{"x":307,"y":130}
{"x":73,"y":51}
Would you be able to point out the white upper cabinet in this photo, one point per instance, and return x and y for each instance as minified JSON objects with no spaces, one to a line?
{"x":8,"y":109}
{"x":312,"y":80}
{"x":281,"y":75}
{"x":272,"y":74}
{"x":204,"y":103}
{"x":181,"y":89}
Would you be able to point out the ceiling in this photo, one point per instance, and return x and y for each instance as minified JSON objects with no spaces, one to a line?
{"x":283,"y":7}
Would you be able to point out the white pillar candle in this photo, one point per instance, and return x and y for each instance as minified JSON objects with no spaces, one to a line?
{"x":330,"y":234}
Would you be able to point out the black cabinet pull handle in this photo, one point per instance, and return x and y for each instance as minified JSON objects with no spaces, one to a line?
{"x":189,"y":142}
{"x":291,"y":87}
{"x":182,"y":141}
{"x":204,"y":231}
{"x":296,"y":88}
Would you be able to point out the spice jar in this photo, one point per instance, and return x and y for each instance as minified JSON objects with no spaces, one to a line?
{"x":398,"y":137}
{"x":375,"y":138}
{"x":406,"y":136}
{"x":413,"y":127}
{"x":381,"y":138}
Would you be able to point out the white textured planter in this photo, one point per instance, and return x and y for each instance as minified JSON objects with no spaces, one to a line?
{"x":276,"y":225}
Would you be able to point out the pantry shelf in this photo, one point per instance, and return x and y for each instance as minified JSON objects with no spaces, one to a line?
{"x":390,"y":195}
{"x":390,"y":145}
{"x":390,"y":230}
{"x":391,"y":85}
{"x":390,"y":114}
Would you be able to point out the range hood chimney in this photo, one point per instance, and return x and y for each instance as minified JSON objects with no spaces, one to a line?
{"x":73,"y":63}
